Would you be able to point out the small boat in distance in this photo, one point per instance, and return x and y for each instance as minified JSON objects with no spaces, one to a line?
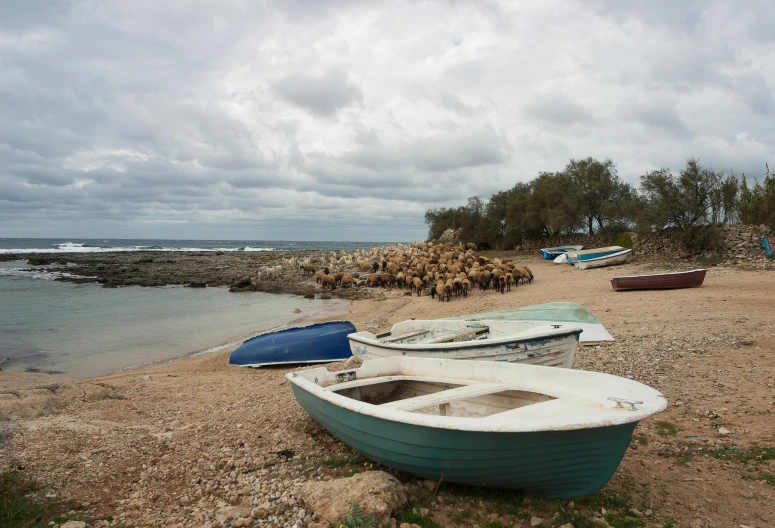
{"x":660,"y":281}
{"x":554,"y":252}
{"x":317,"y":343}
{"x":535,"y":343}
{"x":571,"y":256}
{"x":611,"y":259}
{"x":551,"y":432}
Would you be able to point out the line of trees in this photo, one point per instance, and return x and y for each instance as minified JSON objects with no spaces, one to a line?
{"x":588,"y":196}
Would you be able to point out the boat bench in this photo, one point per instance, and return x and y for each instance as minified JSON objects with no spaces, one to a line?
{"x":406,"y":335}
{"x":444,"y":397}
{"x":448,"y":338}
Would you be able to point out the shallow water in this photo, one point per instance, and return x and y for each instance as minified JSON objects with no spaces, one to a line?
{"x":85,"y":330}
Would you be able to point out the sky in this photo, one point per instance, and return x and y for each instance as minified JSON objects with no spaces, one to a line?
{"x":345,"y":120}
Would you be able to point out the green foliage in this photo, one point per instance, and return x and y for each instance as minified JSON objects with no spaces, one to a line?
{"x":754,"y":453}
{"x":355,"y":519}
{"x":624,"y":240}
{"x":665,"y":428}
{"x":757,"y":204}
{"x":17,"y":504}
{"x":408,"y":516}
{"x":492,"y":524}
{"x":703,"y":238}
{"x":709,"y":261}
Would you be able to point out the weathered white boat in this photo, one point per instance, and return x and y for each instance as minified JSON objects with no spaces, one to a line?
{"x":611,"y":259}
{"x":553,"y":252}
{"x":567,"y":313}
{"x":538,"y":343}
{"x":552,"y":432}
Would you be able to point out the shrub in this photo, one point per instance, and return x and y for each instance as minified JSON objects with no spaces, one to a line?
{"x":623,"y":239}
{"x":703,"y":238}
{"x":354,"y":518}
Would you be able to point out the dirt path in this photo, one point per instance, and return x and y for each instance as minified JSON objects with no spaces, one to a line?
{"x":173,"y":444}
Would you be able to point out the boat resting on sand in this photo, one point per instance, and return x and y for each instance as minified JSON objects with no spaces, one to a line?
{"x":573,"y":256}
{"x":612,"y":259}
{"x":317,"y":343}
{"x":567,"y":313}
{"x":533,"y":343}
{"x":769,"y":246}
{"x":551,"y":432}
{"x":554,"y":252}
{"x":660,"y":281}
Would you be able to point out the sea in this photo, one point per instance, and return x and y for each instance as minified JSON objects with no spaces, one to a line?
{"x":85,"y":330}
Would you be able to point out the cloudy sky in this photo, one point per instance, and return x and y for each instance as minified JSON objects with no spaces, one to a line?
{"x":345,"y":120}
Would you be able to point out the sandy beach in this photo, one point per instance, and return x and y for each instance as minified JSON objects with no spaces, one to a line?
{"x":174,"y":444}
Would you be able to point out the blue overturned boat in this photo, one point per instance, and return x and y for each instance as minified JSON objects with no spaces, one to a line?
{"x":571,"y":257}
{"x":317,"y":343}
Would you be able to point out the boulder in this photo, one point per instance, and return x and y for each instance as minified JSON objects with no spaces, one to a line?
{"x":228,"y":513}
{"x":244,"y":282}
{"x":376,"y":492}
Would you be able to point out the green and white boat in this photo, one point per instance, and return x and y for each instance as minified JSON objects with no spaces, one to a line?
{"x":549,"y":431}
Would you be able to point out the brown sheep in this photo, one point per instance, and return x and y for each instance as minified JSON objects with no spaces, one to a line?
{"x":502,"y":284}
{"x":466,"y":287}
{"x":509,"y":281}
{"x":457,"y":286}
{"x":484,"y":280}
{"x":529,"y":272}
{"x":440,"y":290}
{"x":388,"y":280}
{"x":328,"y":282}
{"x":417,"y":285}
{"x":319,"y":275}
{"x":338,"y":277}
{"x":373,"y":280}
{"x":522,"y":273}
{"x":348,"y":281}
{"x":306,"y":268}
{"x":448,"y":290}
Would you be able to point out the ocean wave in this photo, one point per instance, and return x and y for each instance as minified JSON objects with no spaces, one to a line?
{"x":83,"y":248}
{"x":36,"y":273}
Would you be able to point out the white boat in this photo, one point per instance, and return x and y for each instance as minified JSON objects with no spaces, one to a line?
{"x":551,"y":432}
{"x":553,"y":252}
{"x":537,"y":343}
{"x":567,"y":313}
{"x":612,"y":259}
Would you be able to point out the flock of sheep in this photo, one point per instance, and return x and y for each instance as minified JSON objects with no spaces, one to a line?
{"x":442,"y":270}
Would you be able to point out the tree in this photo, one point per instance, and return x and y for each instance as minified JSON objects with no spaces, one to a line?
{"x":684,"y":201}
{"x":600,"y":191}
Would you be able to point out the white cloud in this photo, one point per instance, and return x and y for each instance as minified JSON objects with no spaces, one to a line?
{"x":292,"y":119}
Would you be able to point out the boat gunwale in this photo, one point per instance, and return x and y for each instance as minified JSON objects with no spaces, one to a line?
{"x":498,"y":422}
{"x":610,"y":255}
{"x":659,"y":274}
{"x":454,"y":345}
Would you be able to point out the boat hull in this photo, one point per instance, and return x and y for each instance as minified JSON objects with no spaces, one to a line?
{"x":318,"y":343}
{"x":554,"y":252}
{"x":562,"y":464}
{"x":554,"y":351}
{"x":613,"y":259}
{"x":588,"y":254}
{"x":660,"y":281}
{"x":769,"y":246}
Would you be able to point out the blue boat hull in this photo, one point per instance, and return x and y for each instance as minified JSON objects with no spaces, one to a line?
{"x":562,"y":464}
{"x":316,"y":343}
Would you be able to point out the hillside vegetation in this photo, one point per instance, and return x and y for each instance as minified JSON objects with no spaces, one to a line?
{"x":589,"y":196}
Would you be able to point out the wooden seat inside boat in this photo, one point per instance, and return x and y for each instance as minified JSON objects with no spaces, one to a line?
{"x":446,"y":396}
{"x":401,"y":337}
{"x":465,"y":335}
{"x":439,"y":396}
